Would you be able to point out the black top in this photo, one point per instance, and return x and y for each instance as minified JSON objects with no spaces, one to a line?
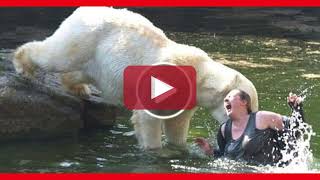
{"x":254,"y":145}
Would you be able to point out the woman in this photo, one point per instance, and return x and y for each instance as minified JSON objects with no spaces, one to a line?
{"x":256,"y":137}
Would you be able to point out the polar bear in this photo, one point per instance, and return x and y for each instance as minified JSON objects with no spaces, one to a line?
{"x":95,"y":44}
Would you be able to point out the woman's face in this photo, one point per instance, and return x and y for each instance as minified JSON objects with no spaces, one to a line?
{"x":232,"y":102}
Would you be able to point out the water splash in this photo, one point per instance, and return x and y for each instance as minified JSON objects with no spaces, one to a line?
{"x":296,"y":153}
{"x":307,"y":91}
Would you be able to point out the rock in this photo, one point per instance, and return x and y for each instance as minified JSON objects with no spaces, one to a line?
{"x":39,"y":108}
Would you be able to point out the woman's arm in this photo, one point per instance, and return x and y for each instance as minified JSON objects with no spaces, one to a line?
{"x":267,"y":119}
{"x":208,"y":149}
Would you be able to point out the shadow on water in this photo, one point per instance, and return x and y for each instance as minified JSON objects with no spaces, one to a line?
{"x":278,"y":49}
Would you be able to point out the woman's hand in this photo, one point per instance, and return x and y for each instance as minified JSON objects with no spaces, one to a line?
{"x":204,"y":145}
{"x":294,"y":101}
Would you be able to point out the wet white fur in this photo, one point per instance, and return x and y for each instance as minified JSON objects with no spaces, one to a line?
{"x":99,"y":42}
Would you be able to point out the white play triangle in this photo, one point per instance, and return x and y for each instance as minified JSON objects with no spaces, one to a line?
{"x":159,"y":87}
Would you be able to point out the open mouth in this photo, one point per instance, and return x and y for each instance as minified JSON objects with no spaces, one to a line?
{"x":228,"y":107}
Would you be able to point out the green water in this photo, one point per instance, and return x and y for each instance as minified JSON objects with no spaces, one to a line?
{"x":276,"y":67}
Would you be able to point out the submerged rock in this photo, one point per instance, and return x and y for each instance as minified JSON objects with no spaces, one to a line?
{"x":40,"y":108}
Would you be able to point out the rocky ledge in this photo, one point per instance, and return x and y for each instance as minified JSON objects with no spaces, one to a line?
{"x":39,"y":108}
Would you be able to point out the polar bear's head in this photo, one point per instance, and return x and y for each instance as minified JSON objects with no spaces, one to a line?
{"x":23,"y":59}
{"x":223,"y":87}
{"x":214,"y":80}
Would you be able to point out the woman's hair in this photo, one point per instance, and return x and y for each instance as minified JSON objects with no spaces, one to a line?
{"x":245,"y":96}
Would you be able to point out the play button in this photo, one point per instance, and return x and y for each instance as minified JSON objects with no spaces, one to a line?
{"x":160,"y":90}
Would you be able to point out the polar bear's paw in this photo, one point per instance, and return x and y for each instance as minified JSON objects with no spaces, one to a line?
{"x":75,"y":83}
{"x":80,"y":90}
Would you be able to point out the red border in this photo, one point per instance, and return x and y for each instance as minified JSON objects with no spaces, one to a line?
{"x":164,"y":3}
{"x":135,"y":176}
